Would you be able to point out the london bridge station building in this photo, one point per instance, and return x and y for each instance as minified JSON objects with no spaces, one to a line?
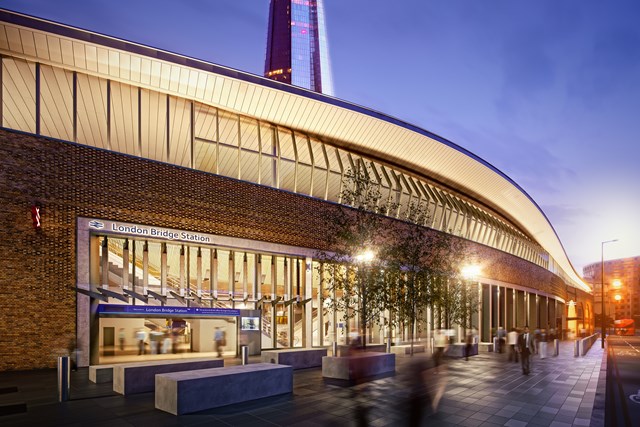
{"x":148,"y":196}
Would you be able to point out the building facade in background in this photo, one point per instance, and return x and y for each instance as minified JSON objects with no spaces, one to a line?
{"x":621,"y":286}
{"x":148,"y":199}
{"x":297,"y":51}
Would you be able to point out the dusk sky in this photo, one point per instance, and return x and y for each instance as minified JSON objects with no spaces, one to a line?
{"x":548,"y":91}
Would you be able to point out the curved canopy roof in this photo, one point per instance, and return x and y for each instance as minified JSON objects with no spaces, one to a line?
{"x":333,"y":120}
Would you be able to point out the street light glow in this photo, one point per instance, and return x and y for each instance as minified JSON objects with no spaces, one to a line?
{"x":470,"y":271}
{"x":616,"y":283}
{"x":618,"y":297}
{"x":366,"y":256}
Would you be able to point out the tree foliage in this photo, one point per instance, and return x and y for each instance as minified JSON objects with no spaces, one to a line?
{"x":414,"y":267}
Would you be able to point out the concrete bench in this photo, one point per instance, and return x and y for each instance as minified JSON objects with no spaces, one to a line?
{"x":485,"y":347}
{"x":139,"y":377}
{"x":191,"y":391}
{"x":406,"y":349}
{"x":458,"y":350}
{"x":358,"y":365}
{"x":101,"y":374}
{"x":345,"y":350}
{"x":298,"y":358}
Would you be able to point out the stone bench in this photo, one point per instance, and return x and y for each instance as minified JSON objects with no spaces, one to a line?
{"x":485,"y":347}
{"x":139,"y":377}
{"x":191,"y":391}
{"x":358,"y":365}
{"x":298,"y":358}
{"x":101,"y":374}
{"x":345,"y":350}
{"x":458,"y":350}
{"x":405,"y":349}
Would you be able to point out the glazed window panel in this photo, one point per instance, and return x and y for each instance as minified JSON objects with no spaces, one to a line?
{"x":223,"y":273}
{"x":285,"y":140}
{"x":205,"y":122}
{"x":92,"y":111}
{"x":228,"y":129}
{"x":19,"y":95}
{"x":180,"y":128}
{"x":249,"y":161}
{"x":287,"y":174}
{"x":335,"y":182}
{"x":304,"y":179}
{"x":319,"y":182}
{"x":124,"y":118}
{"x":332,"y":156}
{"x":265,"y":275}
{"x":228,"y":165}
{"x":268,"y":170}
{"x":205,"y":156}
{"x":268,"y":139}
{"x":302,"y":145}
{"x":249,"y":134}
{"x":154,"y":129}
{"x":56,"y":105}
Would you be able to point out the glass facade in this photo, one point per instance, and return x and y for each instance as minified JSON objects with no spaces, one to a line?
{"x":297,"y":50}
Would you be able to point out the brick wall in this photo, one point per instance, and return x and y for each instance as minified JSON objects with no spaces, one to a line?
{"x":37,"y":268}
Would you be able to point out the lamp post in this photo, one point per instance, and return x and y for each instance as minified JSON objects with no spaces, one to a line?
{"x":602,"y":326}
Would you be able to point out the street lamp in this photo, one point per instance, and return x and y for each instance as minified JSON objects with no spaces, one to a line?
{"x":602,"y":326}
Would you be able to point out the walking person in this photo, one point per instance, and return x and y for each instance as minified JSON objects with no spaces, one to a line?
{"x":526,"y":348}
{"x":512,"y":341}
{"x":440,"y":344}
{"x":468,"y":348}
{"x":218,"y":337}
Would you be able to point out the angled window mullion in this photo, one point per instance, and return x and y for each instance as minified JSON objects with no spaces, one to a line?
{"x":296,"y":161}
{"x":409,"y":191}
{"x":374,"y":170}
{"x":239,"y":149}
{"x":279,"y":158}
{"x":313,"y":164}
{"x":398,"y":191}
{"x":341,"y":166}
{"x":326,"y":162}
{"x":436,"y":201}
{"x":217,"y":141}
{"x":388,"y":179}
{"x":259,"y":153}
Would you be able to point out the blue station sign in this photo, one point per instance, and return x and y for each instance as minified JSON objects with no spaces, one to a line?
{"x":164,"y":311}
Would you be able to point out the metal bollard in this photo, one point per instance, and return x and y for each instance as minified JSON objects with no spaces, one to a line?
{"x":389,"y":345}
{"x":244,"y":352}
{"x":576,"y":348}
{"x":556,"y":347}
{"x":334,"y":349}
{"x":64,"y":378}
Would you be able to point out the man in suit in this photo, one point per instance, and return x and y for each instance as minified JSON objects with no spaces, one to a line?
{"x":526,"y":348}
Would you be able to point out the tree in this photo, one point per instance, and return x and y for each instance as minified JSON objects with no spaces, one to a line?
{"x":356,"y":233}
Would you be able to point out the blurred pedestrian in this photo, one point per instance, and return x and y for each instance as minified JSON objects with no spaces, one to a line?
{"x":121,"y":338}
{"x":418,"y":395}
{"x":468,"y":344}
{"x":440,"y":346}
{"x":512,"y":342}
{"x":501,"y":336}
{"x":526,"y":348}
{"x":219,"y":339}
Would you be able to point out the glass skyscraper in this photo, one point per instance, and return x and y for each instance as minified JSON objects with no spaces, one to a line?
{"x":297,"y":50}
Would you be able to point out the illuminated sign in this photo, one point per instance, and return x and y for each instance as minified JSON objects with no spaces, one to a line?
{"x":165,"y":311}
{"x":35,"y":217}
{"x":149,"y":231}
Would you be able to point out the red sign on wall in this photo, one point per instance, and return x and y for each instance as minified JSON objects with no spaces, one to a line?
{"x":35,"y":217}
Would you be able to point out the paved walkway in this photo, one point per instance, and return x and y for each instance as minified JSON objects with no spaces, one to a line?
{"x":486,"y":390}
